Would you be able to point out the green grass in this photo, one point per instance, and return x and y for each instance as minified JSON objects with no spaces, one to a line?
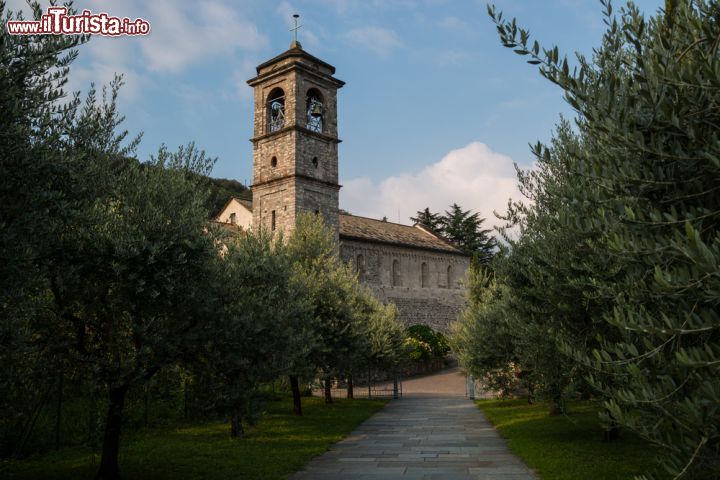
{"x":567,"y":447}
{"x":278,"y":446}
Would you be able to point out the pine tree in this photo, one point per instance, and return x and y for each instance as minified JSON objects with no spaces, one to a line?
{"x":464,"y":229}
{"x":431,"y":220}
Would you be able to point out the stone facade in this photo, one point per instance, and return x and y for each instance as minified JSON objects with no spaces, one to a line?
{"x":295,"y":154}
{"x":415,"y":280}
{"x":295,"y":169}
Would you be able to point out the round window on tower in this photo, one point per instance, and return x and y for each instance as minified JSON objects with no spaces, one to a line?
{"x":273,"y":162}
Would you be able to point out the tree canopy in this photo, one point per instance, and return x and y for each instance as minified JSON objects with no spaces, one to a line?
{"x":611,"y":288}
{"x":463,"y":228}
{"x":113,"y":277}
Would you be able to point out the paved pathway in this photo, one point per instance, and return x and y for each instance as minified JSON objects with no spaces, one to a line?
{"x":446,"y":383}
{"x":438,"y":435}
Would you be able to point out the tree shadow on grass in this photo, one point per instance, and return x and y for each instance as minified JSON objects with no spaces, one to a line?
{"x":280,"y":444}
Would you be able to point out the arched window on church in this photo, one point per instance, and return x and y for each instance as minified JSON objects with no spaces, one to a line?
{"x":396,"y":278}
{"x":450,"y":278}
{"x":424,"y":275}
{"x":276,"y":109}
{"x":360,"y":265}
{"x":315,"y":110}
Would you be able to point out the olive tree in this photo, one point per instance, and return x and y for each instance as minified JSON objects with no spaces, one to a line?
{"x":259,"y":331}
{"x":643,"y":187}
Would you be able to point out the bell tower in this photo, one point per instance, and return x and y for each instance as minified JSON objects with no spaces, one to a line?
{"x":295,"y":141}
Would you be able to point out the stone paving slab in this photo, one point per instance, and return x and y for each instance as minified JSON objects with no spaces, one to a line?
{"x":421,"y":438}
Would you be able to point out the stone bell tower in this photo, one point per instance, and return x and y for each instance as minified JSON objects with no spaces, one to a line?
{"x":295,"y":141}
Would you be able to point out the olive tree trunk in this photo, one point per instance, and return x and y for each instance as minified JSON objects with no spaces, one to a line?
{"x":328,"y":392}
{"x":236,"y":426}
{"x":297,"y":403}
{"x":109,"y":469}
{"x":350,"y":392}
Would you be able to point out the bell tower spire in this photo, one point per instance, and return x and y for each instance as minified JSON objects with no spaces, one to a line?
{"x":295,"y":140}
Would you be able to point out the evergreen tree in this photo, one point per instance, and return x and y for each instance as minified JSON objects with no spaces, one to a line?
{"x":431,"y":220}
{"x":464,"y":229}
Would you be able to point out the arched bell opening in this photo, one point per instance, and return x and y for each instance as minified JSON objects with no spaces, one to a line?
{"x":315,"y":110}
{"x":276,"y":109}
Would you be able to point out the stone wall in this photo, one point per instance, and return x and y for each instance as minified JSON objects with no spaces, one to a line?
{"x":279,"y":197}
{"x":434,"y":304}
{"x":295,"y":169}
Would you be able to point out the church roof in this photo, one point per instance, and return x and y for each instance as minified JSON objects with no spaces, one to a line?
{"x":353,"y":227}
{"x":245,"y":203}
{"x":295,"y":51}
{"x":365,"y":229}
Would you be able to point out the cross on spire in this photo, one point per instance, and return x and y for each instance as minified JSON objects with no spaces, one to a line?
{"x":296,"y":27}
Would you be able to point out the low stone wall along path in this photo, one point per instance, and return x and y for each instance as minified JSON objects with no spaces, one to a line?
{"x":427,"y":435}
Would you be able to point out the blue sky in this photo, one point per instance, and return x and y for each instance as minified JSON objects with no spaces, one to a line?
{"x":434,"y":111}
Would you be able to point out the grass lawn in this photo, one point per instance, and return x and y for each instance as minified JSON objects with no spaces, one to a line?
{"x":567,"y":447}
{"x":278,"y":446}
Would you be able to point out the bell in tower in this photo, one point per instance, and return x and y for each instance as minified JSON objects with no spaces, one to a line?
{"x":314,"y":111}
{"x":295,"y":140}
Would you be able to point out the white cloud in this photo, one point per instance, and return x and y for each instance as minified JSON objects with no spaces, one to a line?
{"x":286,"y":11}
{"x":309,"y":39}
{"x":475,"y":177}
{"x":240,"y":75}
{"x":108,"y":57}
{"x":184,"y":35}
{"x":376,"y":39}
{"x":102,"y":74}
{"x":353,"y":7}
{"x":181,"y":35}
{"x":453,"y":23}
{"x":196,"y":104}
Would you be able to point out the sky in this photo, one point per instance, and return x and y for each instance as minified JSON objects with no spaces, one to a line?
{"x":434,"y":111}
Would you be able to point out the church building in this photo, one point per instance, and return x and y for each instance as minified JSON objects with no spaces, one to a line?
{"x":295,"y":169}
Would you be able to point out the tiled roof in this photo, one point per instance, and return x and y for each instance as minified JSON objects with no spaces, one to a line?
{"x":246,"y":203}
{"x":368,"y":229}
{"x":295,"y":51}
